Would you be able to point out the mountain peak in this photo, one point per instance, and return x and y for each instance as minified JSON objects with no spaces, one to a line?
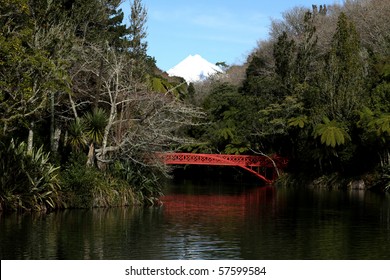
{"x":194,"y":68}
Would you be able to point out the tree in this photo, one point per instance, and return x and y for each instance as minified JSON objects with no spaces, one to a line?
{"x":343,"y":86}
{"x":306,"y":56}
{"x":284,"y":53}
{"x":137,"y":30}
{"x":332,"y":133}
{"x":291,"y":24}
{"x":31,"y":68}
{"x":372,"y":24}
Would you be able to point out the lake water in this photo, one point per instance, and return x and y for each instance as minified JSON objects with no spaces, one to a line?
{"x":211,"y":221}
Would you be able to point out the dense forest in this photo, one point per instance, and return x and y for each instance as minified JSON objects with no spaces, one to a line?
{"x":84,"y":107}
{"x":317,"y":91}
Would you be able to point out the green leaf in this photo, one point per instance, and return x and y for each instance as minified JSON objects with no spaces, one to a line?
{"x":95,"y":124}
{"x":299,"y":121}
{"x":76,"y":136}
{"x":331,"y":133}
{"x":381,"y":124}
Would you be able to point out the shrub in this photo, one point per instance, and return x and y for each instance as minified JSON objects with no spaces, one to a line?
{"x":88,"y":187}
{"x":385,"y":178}
{"x":142,"y":178}
{"x":28,"y":180}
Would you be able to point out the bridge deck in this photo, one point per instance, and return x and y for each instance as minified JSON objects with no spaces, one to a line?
{"x":252,"y":164}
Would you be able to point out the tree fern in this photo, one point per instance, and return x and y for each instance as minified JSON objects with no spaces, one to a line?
{"x":332,"y":133}
{"x":299,"y":121}
{"x":381,"y":124}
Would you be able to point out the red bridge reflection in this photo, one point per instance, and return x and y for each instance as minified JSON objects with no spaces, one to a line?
{"x":259,"y":201}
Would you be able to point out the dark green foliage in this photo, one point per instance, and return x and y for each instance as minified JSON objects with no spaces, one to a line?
{"x":178,"y":88}
{"x":331,"y":133}
{"x":95,"y":21}
{"x":77,"y":140}
{"x":87,"y":187}
{"x":79,"y":181}
{"x":28,"y":181}
{"x":74,"y":78}
{"x":317,"y":104}
{"x":191,"y":91}
{"x":259,"y":82}
{"x":144,"y":179}
{"x":229,"y":118}
{"x":73,"y":66}
{"x":284,"y":51}
{"x":384,"y":181}
{"x":380,"y":96}
{"x":307,"y":53}
{"x":28,"y":70}
{"x":137,"y":40}
{"x":137,"y":31}
{"x":96,"y":122}
{"x":344,"y":80}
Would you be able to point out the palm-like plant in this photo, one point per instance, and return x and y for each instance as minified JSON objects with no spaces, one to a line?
{"x":381,"y":124}
{"x":90,"y":128}
{"x":332,"y":133}
{"x":299,"y":121}
{"x":96,"y":122}
{"x":76,"y":136}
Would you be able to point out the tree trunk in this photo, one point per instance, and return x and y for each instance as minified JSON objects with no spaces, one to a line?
{"x":56,"y":140}
{"x":73,"y":105}
{"x":91,"y":155}
{"x":98,"y":85}
{"x":52,"y":119}
{"x":101,"y":159}
{"x":30,"y":138}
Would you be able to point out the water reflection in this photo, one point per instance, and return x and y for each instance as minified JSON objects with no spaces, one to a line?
{"x":211,"y":222}
{"x":210,"y":226}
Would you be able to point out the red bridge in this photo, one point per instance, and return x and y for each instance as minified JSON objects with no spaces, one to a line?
{"x":260,"y":166}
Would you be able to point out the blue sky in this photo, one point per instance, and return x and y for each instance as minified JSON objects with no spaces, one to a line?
{"x":218,"y":30}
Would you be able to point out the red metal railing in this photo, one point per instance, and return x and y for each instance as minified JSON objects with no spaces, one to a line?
{"x":257,"y":165}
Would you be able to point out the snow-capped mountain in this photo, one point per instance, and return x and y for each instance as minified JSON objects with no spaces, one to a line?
{"x":194,"y":68}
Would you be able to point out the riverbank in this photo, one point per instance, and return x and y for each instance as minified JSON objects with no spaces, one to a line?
{"x":371,"y":181}
{"x":30,"y":181}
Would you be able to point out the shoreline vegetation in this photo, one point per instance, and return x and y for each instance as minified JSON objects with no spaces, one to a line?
{"x":83,"y":107}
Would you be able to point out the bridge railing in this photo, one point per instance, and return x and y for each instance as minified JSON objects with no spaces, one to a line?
{"x":257,"y":165}
{"x":221,"y":159}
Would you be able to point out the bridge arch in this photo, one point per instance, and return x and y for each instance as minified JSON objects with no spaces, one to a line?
{"x":251,"y":164}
